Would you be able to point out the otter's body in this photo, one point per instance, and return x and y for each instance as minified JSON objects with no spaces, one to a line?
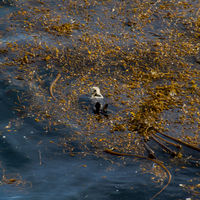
{"x":97,"y":101}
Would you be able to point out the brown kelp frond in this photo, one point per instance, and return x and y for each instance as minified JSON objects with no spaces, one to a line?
{"x":164,"y":147}
{"x":53,"y":85}
{"x":180,"y":141}
{"x":168,"y":142}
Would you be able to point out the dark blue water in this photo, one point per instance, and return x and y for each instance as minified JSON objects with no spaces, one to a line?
{"x":43,"y":171}
{"x":35,"y":166}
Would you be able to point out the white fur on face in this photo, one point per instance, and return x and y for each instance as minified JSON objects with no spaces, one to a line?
{"x":96,"y":93}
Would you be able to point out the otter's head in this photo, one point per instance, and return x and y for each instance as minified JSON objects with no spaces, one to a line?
{"x":96,"y":92}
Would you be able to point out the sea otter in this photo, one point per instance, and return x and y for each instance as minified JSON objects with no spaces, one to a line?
{"x":97,"y":101}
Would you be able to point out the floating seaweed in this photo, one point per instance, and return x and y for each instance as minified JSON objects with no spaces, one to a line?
{"x":142,"y":54}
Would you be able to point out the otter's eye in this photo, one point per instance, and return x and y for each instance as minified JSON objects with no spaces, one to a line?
{"x":95,"y":91}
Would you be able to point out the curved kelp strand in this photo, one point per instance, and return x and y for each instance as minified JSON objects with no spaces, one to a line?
{"x":144,"y":157}
{"x":53,"y":84}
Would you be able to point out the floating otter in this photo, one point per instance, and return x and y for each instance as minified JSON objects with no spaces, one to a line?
{"x":97,"y":101}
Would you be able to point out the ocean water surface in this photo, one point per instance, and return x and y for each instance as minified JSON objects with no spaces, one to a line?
{"x":55,"y":149}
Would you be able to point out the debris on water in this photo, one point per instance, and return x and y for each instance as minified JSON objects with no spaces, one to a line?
{"x":144,"y":57}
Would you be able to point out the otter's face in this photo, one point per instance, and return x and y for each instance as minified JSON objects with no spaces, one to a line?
{"x":96,"y":92}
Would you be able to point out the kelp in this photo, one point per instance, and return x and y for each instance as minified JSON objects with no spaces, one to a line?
{"x":144,"y":55}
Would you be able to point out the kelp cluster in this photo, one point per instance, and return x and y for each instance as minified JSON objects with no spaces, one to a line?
{"x":144,"y":55}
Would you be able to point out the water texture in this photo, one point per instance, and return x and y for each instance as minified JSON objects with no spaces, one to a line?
{"x":145,"y":57}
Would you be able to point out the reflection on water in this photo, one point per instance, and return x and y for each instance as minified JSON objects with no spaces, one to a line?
{"x":139,"y":53}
